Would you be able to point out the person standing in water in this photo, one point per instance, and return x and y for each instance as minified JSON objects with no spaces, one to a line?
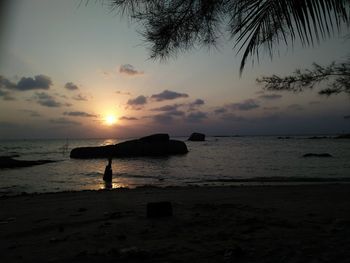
{"x":107,"y":177}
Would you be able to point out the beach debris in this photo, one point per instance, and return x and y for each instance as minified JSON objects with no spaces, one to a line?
{"x":197,"y":137}
{"x":317,"y":155}
{"x":159,"y":209}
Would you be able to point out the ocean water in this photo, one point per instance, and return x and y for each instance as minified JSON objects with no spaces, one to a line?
{"x":216,"y":161}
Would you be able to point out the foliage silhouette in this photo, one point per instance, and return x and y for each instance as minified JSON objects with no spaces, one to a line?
{"x":173,"y":26}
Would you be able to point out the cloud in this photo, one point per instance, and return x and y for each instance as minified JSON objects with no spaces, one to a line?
{"x":80,"y":97}
{"x":79,"y":114}
{"x":196,"y":103}
{"x":163,"y":118}
{"x":125,"y":118}
{"x":295,"y":107}
{"x":129,"y":70}
{"x":31,"y":113}
{"x":70,"y":86}
{"x":314,"y":102}
{"x":196,"y":116}
{"x":270,"y":96}
{"x":38,"y":82}
{"x":64,"y":121}
{"x":171,"y":110}
{"x":271,"y":108}
{"x":220,"y":110}
{"x":245,"y":105}
{"x":167,"y":107}
{"x":168,"y":95}
{"x":122,"y":92}
{"x":137,"y":102}
{"x":232,"y":117}
{"x":7,"y":125}
{"x":47,"y":100}
{"x":347,"y":117}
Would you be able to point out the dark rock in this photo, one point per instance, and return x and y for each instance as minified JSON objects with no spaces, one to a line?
{"x":319,"y":137}
{"x":153,"y":145}
{"x":159,"y":137}
{"x":159,"y":209}
{"x":9,"y":162}
{"x":197,"y":137}
{"x":343,"y":136}
{"x":317,"y":155}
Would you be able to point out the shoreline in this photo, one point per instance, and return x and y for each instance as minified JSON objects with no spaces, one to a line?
{"x":264,"y":223}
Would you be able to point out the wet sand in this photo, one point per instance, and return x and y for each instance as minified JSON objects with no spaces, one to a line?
{"x":305,"y":223}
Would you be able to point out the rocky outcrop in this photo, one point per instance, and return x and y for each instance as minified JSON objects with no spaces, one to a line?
{"x":317,"y":155}
{"x":197,"y":137}
{"x":343,"y":136}
{"x":9,"y":162}
{"x":153,"y":145}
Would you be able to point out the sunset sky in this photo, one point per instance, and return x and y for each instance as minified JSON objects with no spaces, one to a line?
{"x":81,"y":71}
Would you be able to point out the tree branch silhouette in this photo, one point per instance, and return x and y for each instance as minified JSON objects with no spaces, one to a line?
{"x":336,"y":75}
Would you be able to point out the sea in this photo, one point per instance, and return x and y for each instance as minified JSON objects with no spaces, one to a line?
{"x":216,"y":161}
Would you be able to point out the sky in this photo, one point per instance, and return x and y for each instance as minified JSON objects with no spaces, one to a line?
{"x":70,"y":70}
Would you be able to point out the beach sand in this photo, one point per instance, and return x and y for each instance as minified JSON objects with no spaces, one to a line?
{"x":305,"y":223}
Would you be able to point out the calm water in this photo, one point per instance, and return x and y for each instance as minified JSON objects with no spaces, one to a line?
{"x":215,"y":161}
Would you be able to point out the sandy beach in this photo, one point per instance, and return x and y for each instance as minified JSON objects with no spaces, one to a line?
{"x":305,"y":223}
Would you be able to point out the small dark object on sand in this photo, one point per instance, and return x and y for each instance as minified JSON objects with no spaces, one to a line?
{"x":159,"y":209}
{"x":317,"y":155}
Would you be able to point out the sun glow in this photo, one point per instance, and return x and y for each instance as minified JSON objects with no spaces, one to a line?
{"x":110,"y":120}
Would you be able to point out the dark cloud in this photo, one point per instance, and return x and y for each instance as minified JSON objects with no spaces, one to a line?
{"x":314,"y":102}
{"x":137,"y":102}
{"x":7,"y":125}
{"x":129,"y":70}
{"x":171,"y":110}
{"x":47,"y":100}
{"x":295,"y":107}
{"x":38,"y":82}
{"x":232,"y":117}
{"x":347,"y":117}
{"x":196,"y":103}
{"x":220,"y":110}
{"x":168,"y":95}
{"x":31,"y":113}
{"x":163,"y":118}
{"x":125,"y":118}
{"x":270,"y":96}
{"x":70,"y":86}
{"x":271,"y":108}
{"x":245,"y":105}
{"x":79,"y":114}
{"x":80,"y":97}
{"x":196,"y":116}
{"x":167,"y":107}
{"x":64,"y":121}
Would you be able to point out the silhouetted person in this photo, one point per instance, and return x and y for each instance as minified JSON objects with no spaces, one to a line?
{"x":107,"y":177}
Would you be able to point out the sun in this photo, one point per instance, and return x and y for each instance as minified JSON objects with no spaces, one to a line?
{"x":110,"y":120}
